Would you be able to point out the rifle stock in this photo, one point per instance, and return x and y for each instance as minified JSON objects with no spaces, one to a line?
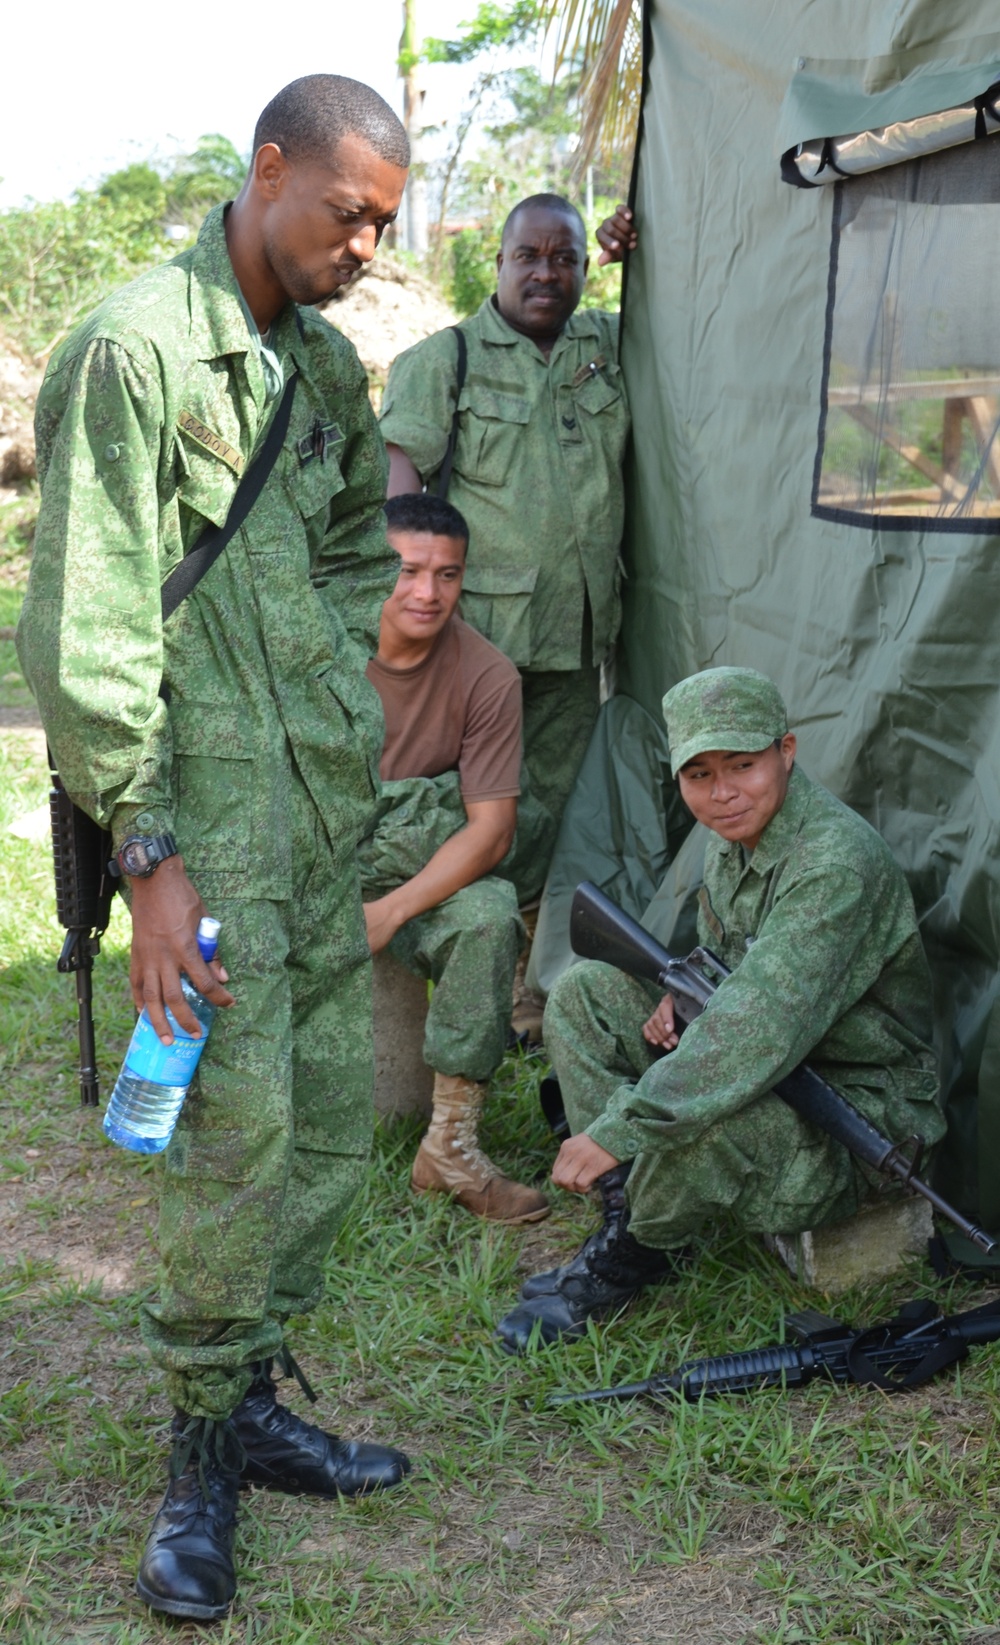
{"x":84,"y":889}
{"x":599,"y":930}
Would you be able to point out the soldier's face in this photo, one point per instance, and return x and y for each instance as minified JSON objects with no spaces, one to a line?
{"x":736,"y":795}
{"x":428,"y":586}
{"x":322,"y":221}
{"x":541,"y":268}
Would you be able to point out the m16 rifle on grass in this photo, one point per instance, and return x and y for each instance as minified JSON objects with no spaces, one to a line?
{"x":909,"y":1350}
{"x":84,"y":889}
{"x":599,"y":930}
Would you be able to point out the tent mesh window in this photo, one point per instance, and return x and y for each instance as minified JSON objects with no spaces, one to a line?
{"x":911,"y":383}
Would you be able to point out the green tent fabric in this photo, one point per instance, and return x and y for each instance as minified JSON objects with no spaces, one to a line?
{"x":882,"y":636}
{"x":623,"y":824}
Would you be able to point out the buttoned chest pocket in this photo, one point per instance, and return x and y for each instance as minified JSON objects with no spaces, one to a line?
{"x":601,"y":407}
{"x":313,"y":475}
{"x":205,"y":490}
{"x":212,"y":772}
{"x":490,"y":426}
{"x":496,"y":600}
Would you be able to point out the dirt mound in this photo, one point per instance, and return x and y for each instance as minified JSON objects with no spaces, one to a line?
{"x":19,"y":382}
{"x":387,"y":308}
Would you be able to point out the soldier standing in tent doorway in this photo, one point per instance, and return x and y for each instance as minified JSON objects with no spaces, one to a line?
{"x":535,"y":392}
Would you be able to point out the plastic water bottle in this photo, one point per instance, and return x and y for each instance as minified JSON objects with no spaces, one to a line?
{"x":155,"y":1078}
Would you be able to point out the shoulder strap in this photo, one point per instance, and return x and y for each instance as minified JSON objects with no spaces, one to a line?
{"x":185,"y":576}
{"x":444,"y":472}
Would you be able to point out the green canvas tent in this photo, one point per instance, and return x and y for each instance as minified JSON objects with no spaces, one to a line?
{"x":814,"y":485}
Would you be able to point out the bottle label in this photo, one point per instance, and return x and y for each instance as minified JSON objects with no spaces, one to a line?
{"x":149,"y":1059}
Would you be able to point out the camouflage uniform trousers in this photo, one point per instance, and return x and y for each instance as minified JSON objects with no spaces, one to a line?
{"x":272,"y":1145}
{"x":467,"y":946}
{"x":763,"y":1166}
{"x":560,"y":710}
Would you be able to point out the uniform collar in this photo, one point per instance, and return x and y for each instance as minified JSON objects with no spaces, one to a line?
{"x":780,"y":833}
{"x":493,"y":328}
{"x":218,"y":324}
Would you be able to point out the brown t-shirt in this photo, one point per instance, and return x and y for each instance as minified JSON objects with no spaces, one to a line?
{"x":458,"y":710}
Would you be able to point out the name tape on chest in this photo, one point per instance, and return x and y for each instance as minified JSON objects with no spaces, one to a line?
{"x":206,"y":437}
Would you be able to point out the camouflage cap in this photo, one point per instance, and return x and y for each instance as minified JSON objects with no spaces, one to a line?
{"x":736,"y":709}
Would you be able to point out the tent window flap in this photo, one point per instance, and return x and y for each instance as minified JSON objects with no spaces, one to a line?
{"x":829,"y":159}
{"x":909,"y":431}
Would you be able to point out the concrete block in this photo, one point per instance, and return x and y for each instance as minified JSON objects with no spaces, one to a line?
{"x":403,"y":1081}
{"x":871,"y":1245}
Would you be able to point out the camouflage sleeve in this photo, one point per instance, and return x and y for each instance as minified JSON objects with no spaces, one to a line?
{"x":813,"y":959}
{"x":419,"y":401}
{"x":90,"y":636}
{"x":355,"y":570}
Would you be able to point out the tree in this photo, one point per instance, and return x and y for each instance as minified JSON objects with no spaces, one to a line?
{"x":602,"y":39}
{"x":531,"y":147}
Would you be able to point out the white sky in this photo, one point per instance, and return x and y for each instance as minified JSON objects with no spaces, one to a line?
{"x":88,"y":88}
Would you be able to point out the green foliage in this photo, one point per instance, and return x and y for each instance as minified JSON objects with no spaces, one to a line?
{"x":493,"y":26}
{"x":60,"y":258}
{"x":212,"y":172}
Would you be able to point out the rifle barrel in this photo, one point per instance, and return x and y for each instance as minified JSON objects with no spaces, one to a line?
{"x":600,"y":930}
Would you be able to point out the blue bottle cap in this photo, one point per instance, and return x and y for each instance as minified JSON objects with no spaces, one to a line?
{"x":208,"y":937}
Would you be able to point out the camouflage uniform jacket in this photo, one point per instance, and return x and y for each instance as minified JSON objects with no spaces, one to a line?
{"x":537,"y":474}
{"x":147,"y":413}
{"x":819,"y":929}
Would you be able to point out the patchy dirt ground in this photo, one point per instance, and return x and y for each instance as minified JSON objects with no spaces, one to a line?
{"x":388,"y":308}
{"x":19,"y":382}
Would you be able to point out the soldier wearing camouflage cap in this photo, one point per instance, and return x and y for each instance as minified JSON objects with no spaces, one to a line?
{"x":805,"y":904}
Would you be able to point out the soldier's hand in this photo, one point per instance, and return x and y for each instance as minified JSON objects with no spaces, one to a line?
{"x":660,"y":1030}
{"x":616,"y":236}
{"x":382,"y":921}
{"x":579,"y":1163}
{"x":166,"y":909}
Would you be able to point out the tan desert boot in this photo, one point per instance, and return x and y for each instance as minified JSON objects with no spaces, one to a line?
{"x":450,"y":1160}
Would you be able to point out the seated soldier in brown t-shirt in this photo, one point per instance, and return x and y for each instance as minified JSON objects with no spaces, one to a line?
{"x":450,"y":773}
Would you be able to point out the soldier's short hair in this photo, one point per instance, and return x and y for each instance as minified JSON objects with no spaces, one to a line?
{"x":309,"y":117}
{"x":427,"y":515}
{"x":545,"y":202}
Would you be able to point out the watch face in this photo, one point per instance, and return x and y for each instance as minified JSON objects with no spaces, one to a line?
{"x":136,"y":859}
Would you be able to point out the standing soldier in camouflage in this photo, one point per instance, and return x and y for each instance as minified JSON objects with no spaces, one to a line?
{"x":542,"y":425}
{"x":805,"y":904}
{"x":239,"y":743}
{"x":450,"y":771}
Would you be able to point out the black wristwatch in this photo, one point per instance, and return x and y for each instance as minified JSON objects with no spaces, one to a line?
{"x":141,"y":855}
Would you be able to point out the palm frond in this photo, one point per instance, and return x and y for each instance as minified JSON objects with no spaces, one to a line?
{"x":602,"y":39}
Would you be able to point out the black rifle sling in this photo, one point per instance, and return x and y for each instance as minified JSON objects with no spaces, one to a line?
{"x":214,"y":538}
{"x":443,"y":481}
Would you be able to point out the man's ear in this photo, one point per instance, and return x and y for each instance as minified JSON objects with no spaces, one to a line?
{"x":270,"y":171}
{"x":789,"y":744}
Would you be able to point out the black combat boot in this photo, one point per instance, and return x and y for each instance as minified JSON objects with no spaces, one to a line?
{"x":608,"y":1271}
{"x":187,"y":1566}
{"x":614,"y":1208}
{"x":287,"y":1454}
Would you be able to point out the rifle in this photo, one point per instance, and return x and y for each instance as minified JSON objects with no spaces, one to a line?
{"x":84,"y":889}
{"x":909,"y":1350}
{"x":599,"y":930}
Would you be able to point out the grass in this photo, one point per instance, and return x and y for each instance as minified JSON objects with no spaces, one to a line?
{"x":826,"y":1515}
